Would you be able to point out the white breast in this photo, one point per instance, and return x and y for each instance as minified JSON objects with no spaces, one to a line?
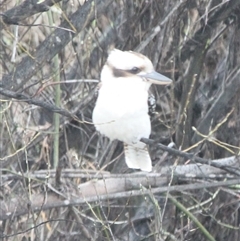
{"x":121,"y":111}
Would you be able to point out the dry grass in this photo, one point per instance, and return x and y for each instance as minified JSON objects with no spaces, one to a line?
{"x":91,"y":194}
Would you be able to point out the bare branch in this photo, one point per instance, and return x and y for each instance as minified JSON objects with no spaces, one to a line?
{"x":52,"y":45}
{"x":17,"y":208}
{"x":24,"y":10}
{"x":191,"y":156}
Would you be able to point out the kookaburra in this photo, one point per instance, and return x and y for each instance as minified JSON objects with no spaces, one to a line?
{"x":121,"y":110}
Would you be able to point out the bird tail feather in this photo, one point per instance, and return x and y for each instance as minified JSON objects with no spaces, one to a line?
{"x":137,"y":158}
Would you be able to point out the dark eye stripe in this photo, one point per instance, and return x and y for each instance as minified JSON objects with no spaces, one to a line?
{"x":124,"y":73}
{"x":119,"y":73}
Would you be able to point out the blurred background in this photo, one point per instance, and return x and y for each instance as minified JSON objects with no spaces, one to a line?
{"x":52,"y":53}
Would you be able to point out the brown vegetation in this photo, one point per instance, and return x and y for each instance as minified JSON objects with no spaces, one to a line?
{"x":60,"y":180}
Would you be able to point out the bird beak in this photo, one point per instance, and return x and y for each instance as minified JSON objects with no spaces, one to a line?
{"x":156,"y":78}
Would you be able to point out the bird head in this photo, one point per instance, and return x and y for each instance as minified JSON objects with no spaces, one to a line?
{"x":131,"y":64}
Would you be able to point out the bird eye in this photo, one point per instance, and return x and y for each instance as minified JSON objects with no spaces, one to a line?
{"x":135,"y":70}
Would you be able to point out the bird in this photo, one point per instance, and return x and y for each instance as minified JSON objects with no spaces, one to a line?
{"x":121,"y":109}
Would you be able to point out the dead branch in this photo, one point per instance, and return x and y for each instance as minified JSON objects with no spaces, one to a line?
{"x":52,"y":45}
{"x":41,"y":202}
{"x":24,"y":10}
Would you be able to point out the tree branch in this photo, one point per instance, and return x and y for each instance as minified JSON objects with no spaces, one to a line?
{"x":29,"y":66}
{"x":30,"y":100}
{"x":192,"y":156}
{"x":196,"y":48}
{"x":16,"y":207}
{"x":25,"y":10}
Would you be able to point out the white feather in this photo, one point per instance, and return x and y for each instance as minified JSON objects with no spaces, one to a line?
{"x":122,"y":113}
{"x":121,"y":110}
{"x":137,"y":158}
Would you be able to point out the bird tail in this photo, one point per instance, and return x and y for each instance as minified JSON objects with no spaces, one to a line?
{"x":137,"y":158}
